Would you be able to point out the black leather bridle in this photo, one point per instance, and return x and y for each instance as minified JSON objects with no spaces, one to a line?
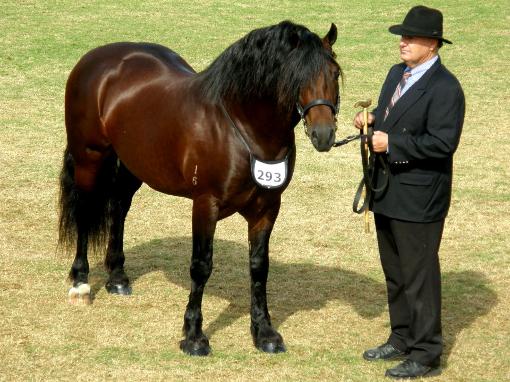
{"x":302,"y":110}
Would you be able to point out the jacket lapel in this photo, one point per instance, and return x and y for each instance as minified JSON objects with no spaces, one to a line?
{"x":409,"y":98}
{"x":388,"y":91}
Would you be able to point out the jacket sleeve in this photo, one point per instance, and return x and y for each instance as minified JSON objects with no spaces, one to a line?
{"x":443,"y":122}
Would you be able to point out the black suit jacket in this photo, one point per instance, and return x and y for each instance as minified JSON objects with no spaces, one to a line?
{"x":423,"y":129}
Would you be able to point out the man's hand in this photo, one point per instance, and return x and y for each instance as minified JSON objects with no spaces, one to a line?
{"x":359,"y":121}
{"x":379,"y":139}
{"x":380,"y":142}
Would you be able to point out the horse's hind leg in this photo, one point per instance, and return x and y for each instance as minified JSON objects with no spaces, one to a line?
{"x":124,"y":188}
{"x":83,"y":216}
{"x":80,"y":292}
{"x":205,"y":215}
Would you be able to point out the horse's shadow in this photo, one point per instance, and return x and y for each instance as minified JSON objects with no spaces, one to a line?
{"x":300,"y":287}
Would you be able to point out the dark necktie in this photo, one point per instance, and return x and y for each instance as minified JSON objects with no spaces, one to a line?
{"x":397,"y":93}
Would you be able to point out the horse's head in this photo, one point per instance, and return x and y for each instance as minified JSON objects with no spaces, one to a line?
{"x":319,"y":100}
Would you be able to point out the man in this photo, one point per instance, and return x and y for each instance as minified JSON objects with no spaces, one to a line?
{"x":417,"y":126}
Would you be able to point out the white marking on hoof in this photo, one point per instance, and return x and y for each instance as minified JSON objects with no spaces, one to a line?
{"x":84,"y":289}
{"x":73,"y":295}
{"x":80,"y":295}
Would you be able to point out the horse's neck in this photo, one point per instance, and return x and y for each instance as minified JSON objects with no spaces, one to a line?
{"x":265,"y":127}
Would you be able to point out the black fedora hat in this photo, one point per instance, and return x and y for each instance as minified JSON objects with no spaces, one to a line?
{"x":422,"y":22}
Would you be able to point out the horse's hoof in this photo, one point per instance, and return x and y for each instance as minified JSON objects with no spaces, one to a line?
{"x":268,"y":340}
{"x":80,"y":295}
{"x":196,"y":348}
{"x":124,"y":290}
{"x":272,"y":347}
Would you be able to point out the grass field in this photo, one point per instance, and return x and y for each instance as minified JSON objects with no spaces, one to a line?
{"x":326,"y":288}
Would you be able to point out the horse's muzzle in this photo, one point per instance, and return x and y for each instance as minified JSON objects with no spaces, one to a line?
{"x":322,"y":136}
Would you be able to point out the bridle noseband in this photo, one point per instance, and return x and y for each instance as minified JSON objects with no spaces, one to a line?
{"x":316,"y":102}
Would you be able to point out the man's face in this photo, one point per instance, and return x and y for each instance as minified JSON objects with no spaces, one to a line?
{"x":416,"y":50}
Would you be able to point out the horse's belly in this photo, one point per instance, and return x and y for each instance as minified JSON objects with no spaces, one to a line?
{"x":165,"y":178}
{"x":149,"y":159}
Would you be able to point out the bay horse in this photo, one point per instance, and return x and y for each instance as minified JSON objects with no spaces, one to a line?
{"x":138,"y":113}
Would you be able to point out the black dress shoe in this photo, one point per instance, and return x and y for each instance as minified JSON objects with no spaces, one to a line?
{"x":384,"y":352}
{"x":412,"y":369}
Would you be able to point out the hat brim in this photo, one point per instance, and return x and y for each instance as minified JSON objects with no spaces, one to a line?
{"x":403,"y":30}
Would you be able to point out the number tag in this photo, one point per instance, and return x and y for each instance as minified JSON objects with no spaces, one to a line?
{"x":270,"y":174}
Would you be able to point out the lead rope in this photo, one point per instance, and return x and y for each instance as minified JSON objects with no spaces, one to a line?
{"x":366,"y":185}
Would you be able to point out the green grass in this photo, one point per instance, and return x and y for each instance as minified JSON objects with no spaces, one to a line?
{"x":326,"y":289}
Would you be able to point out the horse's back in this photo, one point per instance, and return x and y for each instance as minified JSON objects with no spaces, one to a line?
{"x":124,"y":64}
{"x":107,"y":56}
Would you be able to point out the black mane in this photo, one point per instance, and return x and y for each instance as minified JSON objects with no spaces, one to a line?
{"x":268,"y":63}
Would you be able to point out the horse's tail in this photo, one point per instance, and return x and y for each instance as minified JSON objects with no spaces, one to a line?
{"x":85,"y":212}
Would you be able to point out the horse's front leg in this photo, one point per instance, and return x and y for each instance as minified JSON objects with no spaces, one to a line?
{"x":205,"y":216}
{"x":260,"y":225}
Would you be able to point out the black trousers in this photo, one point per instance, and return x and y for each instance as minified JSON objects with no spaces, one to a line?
{"x":410,"y":261}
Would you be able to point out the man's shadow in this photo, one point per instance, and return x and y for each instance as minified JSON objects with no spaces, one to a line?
{"x":298,"y":287}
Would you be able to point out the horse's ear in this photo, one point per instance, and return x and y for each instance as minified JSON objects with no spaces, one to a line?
{"x":330,"y":38}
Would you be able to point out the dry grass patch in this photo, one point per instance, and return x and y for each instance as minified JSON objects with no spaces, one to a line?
{"x":326,"y":289}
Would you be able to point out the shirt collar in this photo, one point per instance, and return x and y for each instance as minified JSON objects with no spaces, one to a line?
{"x":422,"y":67}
